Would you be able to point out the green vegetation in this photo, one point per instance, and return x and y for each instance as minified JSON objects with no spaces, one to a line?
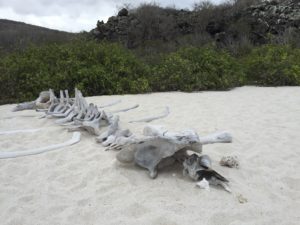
{"x":196,"y":69}
{"x":273,"y":65}
{"x":106,"y":68}
{"x":94,"y":68}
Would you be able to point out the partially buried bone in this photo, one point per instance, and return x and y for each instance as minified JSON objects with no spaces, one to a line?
{"x":75,"y":139}
{"x":126,"y":109}
{"x":218,"y":137}
{"x":149,"y":119}
{"x":19,"y":131}
{"x":110,"y":104}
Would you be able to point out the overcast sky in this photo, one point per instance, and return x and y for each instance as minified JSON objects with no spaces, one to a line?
{"x":72,"y":15}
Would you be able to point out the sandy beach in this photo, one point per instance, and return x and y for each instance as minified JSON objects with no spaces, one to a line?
{"x":83,"y":184}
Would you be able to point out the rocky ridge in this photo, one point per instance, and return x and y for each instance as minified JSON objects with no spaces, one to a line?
{"x":257,"y":22}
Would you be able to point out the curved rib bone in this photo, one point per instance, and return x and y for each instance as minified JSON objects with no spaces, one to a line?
{"x":64,"y":107}
{"x":218,"y":137}
{"x":59,"y":108}
{"x":75,"y":139}
{"x":126,"y":109}
{"x":149,"y":119}
{"x":74,"y":110}
{"x":53,"y":100}
{"x":19,"y":131}
{"x":109,"y":104}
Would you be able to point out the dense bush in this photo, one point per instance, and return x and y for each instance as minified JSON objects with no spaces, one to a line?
{"x":94,"y":68}
{"x":273,"y":65}
{"x":194,"y":69}
{"x":104,"y":68}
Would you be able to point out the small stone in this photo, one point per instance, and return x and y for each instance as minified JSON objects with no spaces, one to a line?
{"x":229,"y":161}
{"x":242,"y":199}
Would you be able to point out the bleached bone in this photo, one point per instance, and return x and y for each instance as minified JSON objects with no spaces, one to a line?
{"x":60,"y":107}
{"x":24,"y":106}
{"x":89,"y":112}
{"x":126,"y":109}
{"x":75,"y":139}
{"x":120,"y":138}
{"x":68,"y":124}
{"x":65,"y":114}
{"x":112,"y":129}
{"x":19,"y":131}
{"x":94,"y":126}
{"x":41,"y":102}
{"x":154,"y":130}
{"x":53,"y":100}
{"x":74,"y":110}
{"x":149,"y":119}
{"x":110,"y":104}
{"x":122,"y":141}
{"x":92,"y":113}
{"x":15,"y":116}
{"x":67,"y":119}
{"x":218,"y":137}
{"x":80,"y":114}
{"x":65,"y":106}
{"x":74,"y":128}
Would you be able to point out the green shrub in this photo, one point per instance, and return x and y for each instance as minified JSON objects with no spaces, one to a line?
{"x":95,"y":68}
{"x":105,"y":68}
{"x":273,"y":65}
{"x":194,"y":69}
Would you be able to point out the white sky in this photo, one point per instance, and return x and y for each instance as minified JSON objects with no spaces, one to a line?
{"x":73,"y":15}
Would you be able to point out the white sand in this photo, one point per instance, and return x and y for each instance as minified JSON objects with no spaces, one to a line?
{"x":83,"y":184}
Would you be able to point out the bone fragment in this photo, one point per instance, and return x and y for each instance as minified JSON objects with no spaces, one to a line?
{"x":126,"y":109}
{"x":109,"y":104}
{"x":149,"y":119}
{"x":19,"y":131}
{"x":218,"y":137}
